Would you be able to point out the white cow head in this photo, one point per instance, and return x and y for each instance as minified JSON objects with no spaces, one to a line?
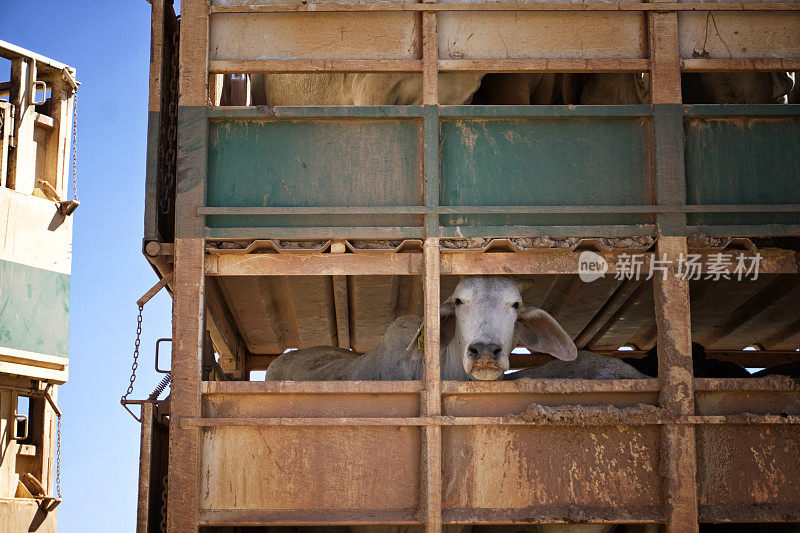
{"x":484,"y":319}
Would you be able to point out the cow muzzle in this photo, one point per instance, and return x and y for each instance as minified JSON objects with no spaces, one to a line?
{"x":485,"y":361}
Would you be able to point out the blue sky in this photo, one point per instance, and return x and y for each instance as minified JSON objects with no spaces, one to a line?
{"x":108,"y":43}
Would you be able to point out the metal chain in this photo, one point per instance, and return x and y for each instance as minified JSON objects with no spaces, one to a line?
{"x":58,"y":456}
{"x":75,"y":146}
{"x":135,"y":364}
{"x":163,"y":524}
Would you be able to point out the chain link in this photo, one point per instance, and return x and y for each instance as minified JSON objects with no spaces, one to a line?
{"x":58,"y":457}
{"x":163,"y":524}
{"x":75,"y":146}
{"x":135,"y":364}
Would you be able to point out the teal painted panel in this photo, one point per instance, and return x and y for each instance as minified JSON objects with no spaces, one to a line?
{"x":570,"y":161}
{"x":337,"y":162}
{"x":34,"y":309}
{"x":743,"y":160}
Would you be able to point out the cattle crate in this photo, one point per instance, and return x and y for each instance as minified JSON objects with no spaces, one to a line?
{"x":282,"y":227}
{"x":36,"y":120}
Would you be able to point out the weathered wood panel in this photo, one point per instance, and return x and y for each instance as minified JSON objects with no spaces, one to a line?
{"x":313,"y":36}
{"x":739,"y":35}
{"x":333,"y":468}
{"x":521,"y":35}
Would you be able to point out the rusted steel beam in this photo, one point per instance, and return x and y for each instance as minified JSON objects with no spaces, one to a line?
{"x":553,"y":514}
{"x":566,"y":416}
{"x":310,"y":387}
{"x":145,"y":473}
{"x":431,"y":404}
{"x":671,"y":294}
{"x":447,"y":6}
{"x":305,"y":517}
{"x":314,"y":264}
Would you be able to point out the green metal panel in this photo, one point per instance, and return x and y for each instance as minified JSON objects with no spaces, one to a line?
{"x":335,"y":162}
{"x":743,"y":160}
{"x":545,"y":162}
{"x":34,"y":309}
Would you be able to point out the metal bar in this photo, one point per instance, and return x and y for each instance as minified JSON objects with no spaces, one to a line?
{"x":295,"y":112}
{"x":311,"y":387}
{"x":544,"y":111}
{"x":600,"y":230}
{"x":256,"y":66}
{"x":679,"y":466}
{"x":739,"y":65}
{"x":544,"y":65}
{"x":369,"y":7}
{"x":741,"y":110}
{"x":746,"y":230}
{"x":397,"y":264}
{"x":317,"y":232}
{"x":496,"y":209}
{"x":431,"y":397}
{"x":562,"y":418}
{"x":305,"y":517}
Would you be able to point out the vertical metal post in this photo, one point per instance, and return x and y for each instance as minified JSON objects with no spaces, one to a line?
{"x":671,"y":293}
{"x":188,"y":315}
{"x":431,"y":400}
{"x":431,"y":493}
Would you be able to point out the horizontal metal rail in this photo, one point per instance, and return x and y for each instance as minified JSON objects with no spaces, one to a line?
{"x":498,"y":209}
{"x":597,"y":6}
{"x":657,"y":417}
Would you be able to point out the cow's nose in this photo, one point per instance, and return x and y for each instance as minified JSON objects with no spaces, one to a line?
{"x":480,"y":350}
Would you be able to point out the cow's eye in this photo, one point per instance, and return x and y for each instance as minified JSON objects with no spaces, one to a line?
{"x":515,"y":305}
{"x":458,"y":301}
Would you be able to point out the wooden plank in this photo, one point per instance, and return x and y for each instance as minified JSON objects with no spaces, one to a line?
{"x":313,"y":265}
{"x":521,"y":35}
{"x":329,"y":36}
{"x":671,"y":295}
{"x":739,"y":35}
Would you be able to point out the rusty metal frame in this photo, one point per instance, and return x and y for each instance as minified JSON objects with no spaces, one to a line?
{"x":676,"y":390}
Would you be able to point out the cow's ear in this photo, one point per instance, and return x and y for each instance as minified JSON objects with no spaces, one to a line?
{"x":540,"y":332}
{"x":447,"y":322}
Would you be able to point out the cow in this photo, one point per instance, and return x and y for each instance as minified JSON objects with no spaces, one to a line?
{"x":480,"y":324}
{"x":358,"y":88}
{"x":703,"y":366}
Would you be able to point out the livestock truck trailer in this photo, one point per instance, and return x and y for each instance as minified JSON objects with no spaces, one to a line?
{"x":36,"y":125}
{"x":638,"y":225}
